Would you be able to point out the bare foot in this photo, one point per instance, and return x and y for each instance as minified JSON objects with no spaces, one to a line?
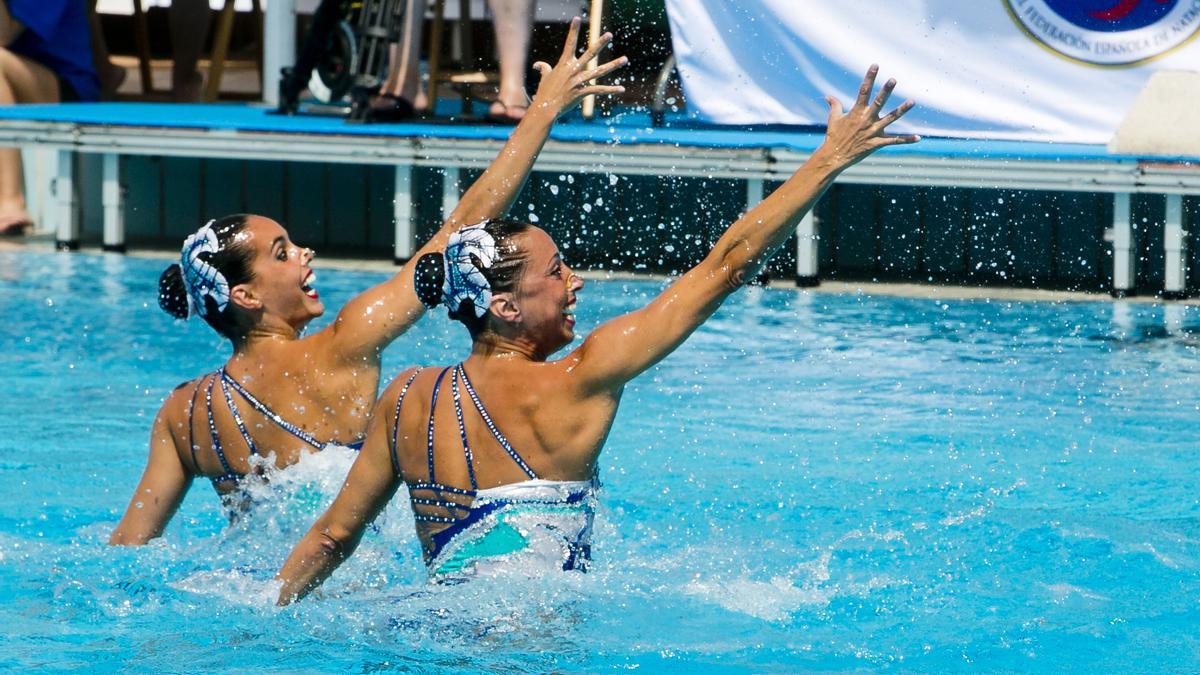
{"x":510,"y":106}
{"x":15,"y":223}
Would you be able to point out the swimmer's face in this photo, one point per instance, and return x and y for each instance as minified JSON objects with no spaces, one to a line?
{"x":546,"y":292}
{"x":283,"y":281}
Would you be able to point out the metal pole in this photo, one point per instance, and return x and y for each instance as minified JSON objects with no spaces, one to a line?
{"x":1175,"y":248}
{"x":402,"y":214}
{"x":114,"y":205}
{"x":67,"y":231}
{"x":1121,"y":235}
{"x":450,"y":192}
{"x":279,"y":45}
{"x":806,"y":251}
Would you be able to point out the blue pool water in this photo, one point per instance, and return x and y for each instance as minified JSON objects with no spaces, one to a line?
{"x":815,"y":481}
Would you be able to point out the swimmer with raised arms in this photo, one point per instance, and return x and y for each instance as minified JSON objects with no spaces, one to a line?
{"x":281,"y":395}
{"x":499,"y":452}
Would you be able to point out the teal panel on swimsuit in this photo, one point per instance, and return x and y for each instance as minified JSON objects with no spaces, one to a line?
{"x":500,"y":540}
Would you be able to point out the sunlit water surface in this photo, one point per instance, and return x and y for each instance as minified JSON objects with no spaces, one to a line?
{"x":813,"y":481}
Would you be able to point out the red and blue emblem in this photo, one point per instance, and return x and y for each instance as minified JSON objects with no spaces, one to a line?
{"x":1108,"y":32}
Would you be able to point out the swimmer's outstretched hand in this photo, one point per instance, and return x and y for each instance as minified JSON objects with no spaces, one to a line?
{"x":571,"y":78}
{"x":852,"y":136}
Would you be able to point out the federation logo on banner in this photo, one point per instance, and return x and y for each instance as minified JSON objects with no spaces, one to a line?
{"x":1108,"y":32}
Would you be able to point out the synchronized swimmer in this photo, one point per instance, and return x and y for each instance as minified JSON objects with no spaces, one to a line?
{"x":499,"y":452}
{"x":280,"y":394}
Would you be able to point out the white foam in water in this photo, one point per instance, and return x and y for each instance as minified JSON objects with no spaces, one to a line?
{"x":780,"y":597}
{"x":774,"y":600}
{"x":1147,"y":547}
{"x":323,"y":471}
{"x":233,"y":586}
{"x":1063,"y":591}
{"x":282,"y":503}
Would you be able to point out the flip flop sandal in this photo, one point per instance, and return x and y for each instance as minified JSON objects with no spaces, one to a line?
{"x":389,"y":108}
{"x":505,"y":115}
{"x":15,"y":228}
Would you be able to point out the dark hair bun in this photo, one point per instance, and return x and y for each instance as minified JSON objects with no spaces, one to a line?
{"x":428,"y":278}
{"x":172,"y":296}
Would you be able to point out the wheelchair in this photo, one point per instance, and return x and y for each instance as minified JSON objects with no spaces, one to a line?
{"x":344,"y":55}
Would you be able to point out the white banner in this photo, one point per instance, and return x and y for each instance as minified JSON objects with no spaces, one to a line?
{"x":1052,"y":70}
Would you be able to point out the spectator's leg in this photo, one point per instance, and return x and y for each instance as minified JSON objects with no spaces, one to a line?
{"x":10,"y":28}
{"x":111,"y":75}
{"x":21,"y":81}
{"x":514,"y":25}
{"x":404,"y":73}
{"x":188,"y":22}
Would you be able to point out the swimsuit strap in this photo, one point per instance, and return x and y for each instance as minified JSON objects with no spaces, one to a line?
{"x":237,"y":417}
{"x":432,"y":412}
{"x":462,"y":428}
{"x":432,"y":485}
{"x":396,"y":422}
{"x":191,"y":427}
{"x":487,"y":419}
{"x":437,"y":489}
{"x":229,"y":474}
{"x":270,"y":414}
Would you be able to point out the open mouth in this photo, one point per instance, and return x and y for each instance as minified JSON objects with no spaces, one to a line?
{"x":569,"y":313}
{"x":307,"y":286}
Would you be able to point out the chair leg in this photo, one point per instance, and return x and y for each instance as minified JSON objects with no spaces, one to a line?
{"x":466,"y":44}
{"x":141,"y":39}
{"x":260,"y":22}
{"x":465,"y":41}
{"x":435,"y":52}
{"x":595,"y":13}
{"x":216,"y":62}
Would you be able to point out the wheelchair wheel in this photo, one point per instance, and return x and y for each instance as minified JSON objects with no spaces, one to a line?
{"x":335,"y":72}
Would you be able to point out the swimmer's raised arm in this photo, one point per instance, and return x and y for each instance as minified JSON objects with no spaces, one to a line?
{"x":620,"y":349}
{"x":159,"y":492}
{"x":370,"y":321}
{"x":368,"y":488}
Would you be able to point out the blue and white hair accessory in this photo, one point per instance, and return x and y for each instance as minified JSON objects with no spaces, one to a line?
{"x":469,"y":248}
{"x":200,"y":278}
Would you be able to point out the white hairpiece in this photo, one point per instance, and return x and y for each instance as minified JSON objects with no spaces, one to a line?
{"x":200,"y":278}
{"x":464,"y":278}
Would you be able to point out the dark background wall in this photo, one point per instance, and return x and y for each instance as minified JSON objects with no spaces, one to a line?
{"x":1034,"y":239}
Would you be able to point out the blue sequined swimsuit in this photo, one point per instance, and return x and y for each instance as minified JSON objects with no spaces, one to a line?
{"x":527,"y":525}
{"x":230,"y":386}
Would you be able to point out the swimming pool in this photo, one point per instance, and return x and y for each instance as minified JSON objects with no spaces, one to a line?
{"x":814,"y":481}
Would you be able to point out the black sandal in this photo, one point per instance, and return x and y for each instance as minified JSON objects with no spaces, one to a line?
{"x":389,"y":108}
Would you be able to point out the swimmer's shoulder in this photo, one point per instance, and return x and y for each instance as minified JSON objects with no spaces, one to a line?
{"x":177,"y":403}
{"x":174,"y":417}
{"x":409,"y":379}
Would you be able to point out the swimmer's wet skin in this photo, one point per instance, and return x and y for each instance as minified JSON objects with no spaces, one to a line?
{"x":228,"y":386}
{"x":536,"y":523}
{"x":507,"y":283}
{"x":244,"y":276}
